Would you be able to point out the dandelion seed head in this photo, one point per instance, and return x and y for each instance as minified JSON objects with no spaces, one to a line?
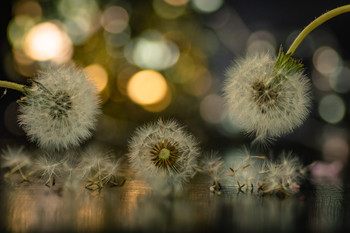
{"x":267,"y":101}
{"x":164,"y":153}
{"x":60,"y":109}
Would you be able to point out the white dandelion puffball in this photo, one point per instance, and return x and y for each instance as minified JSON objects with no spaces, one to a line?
{"x":60,"y":109}
{"x":269,"y":99}
{"x":164,"y":153}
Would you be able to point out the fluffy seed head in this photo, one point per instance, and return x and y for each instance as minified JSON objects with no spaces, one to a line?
{"x":163,"y":152}
{"x":268,"y":96}
{"x":60,"y":109}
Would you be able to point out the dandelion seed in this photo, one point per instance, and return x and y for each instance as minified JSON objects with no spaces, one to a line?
{"x":213,"y":165}
{"x":244,"y":169}
{"x":60,"y":109}
{"x":163,"y":153}
{"x":283,"y":175}
{"x":48,"y":167}
{"x":17,"y":160}
{"x":268,"y":96}
{"x":98,"y":168}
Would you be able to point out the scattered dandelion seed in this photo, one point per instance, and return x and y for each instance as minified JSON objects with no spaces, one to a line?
{"x":282,"y":175}
{"x":17,"y":160}
{"x":98,"y":167}
{"x":48,"y":167}
{"x":212,"y":165}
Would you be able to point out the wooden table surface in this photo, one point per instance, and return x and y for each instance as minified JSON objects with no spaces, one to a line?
{"x":134,"y":207}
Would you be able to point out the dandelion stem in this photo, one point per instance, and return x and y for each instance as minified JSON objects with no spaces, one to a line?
{"x":12,"y":85}
{"x":314,"y":24}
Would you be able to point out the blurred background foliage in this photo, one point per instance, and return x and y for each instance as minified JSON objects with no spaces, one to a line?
{"x":167,"y":58}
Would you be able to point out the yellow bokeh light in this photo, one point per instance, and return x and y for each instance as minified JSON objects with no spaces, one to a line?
{"x":46,"y":41}
{"x":147,"y":87}
{"x":159,"y":106}
{"x":98,"y":75}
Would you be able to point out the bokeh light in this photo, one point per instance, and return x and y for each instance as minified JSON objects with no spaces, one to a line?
{"x":98,"y":75}
{"x":31,"y":8}
{"x":152,"y":51}
{"x":331,"y":108}
{"x":207,"y":6}
{"x":176,"y":2}
{"x":327,"y":61}
{"x":335,"y":148}
{"x":115,"y":19}
{"x":81,"y":18}
{"x":46,"y":41}
{"x":168,"y":11}
{"x":211,"y":108}
{"x":159,"y":106}
{"x":17,"y":28}
{"x":147,"y":87}
{"x":261,"y":41}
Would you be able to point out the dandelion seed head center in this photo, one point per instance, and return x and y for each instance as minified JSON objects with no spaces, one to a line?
{"x":265,"y":95}
{"x":62,"y":104}
{"x":164,"y":153}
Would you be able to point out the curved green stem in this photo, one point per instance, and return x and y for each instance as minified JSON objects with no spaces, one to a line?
{"x":314,"y":24}
{"x":11,"y":85}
